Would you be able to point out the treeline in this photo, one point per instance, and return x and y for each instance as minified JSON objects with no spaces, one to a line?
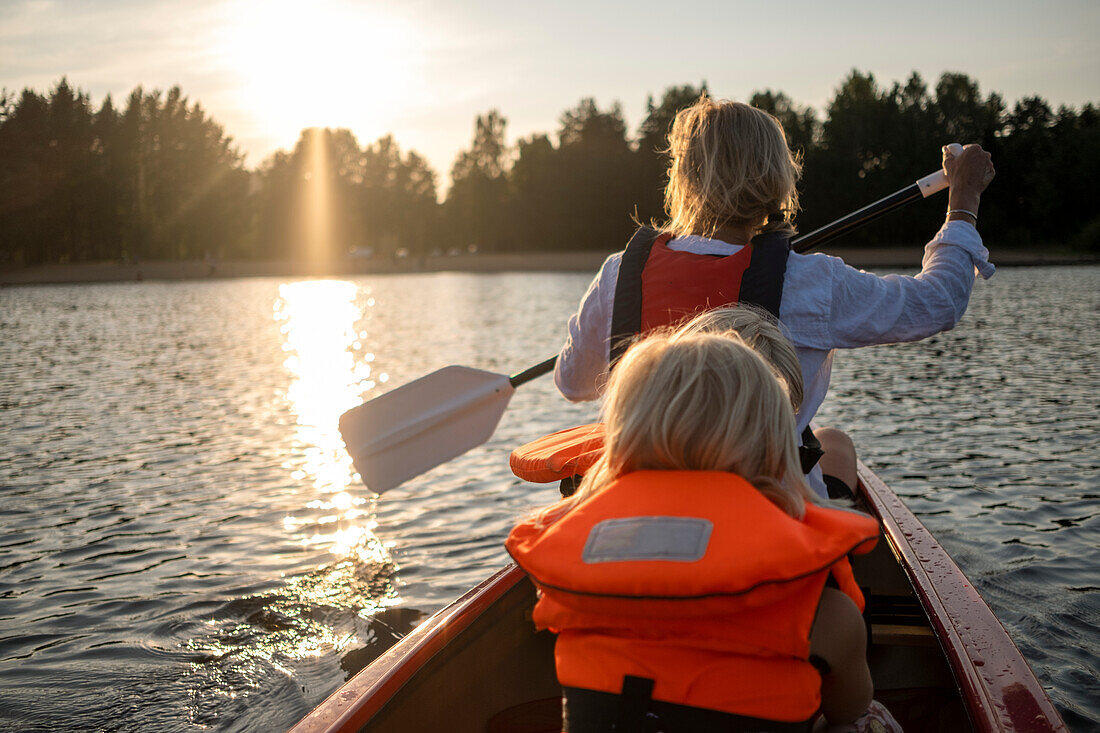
{"x":159,"y":179}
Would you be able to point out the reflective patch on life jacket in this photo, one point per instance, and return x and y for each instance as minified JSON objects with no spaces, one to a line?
{"x":634,"y":539}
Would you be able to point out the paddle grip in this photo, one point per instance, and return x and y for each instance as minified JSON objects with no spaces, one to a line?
{"x":936,"y":182}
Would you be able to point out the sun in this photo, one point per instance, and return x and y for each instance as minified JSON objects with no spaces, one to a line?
{"x":322,"y":64}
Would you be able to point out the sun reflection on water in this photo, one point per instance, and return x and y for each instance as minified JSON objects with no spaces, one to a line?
{"x":335,"y":606}
{"x":318,"y":320}
{"x":318,"y":323}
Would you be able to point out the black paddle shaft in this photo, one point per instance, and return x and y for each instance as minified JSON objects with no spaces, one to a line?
{"x":534,"y":372}
{"x":867,"y":214}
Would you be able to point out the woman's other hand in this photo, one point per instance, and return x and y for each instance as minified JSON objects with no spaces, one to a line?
{"x":968,"y":174}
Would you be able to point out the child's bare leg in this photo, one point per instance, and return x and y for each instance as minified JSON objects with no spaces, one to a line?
{"x":839,"y":460}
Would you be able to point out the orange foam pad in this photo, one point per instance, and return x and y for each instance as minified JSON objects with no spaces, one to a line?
{"x":559,"y":455}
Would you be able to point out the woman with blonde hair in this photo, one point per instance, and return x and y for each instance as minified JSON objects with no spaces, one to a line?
{"x":686,"y":577}
{"x":730,"y":203}
{"x":717,"y":188}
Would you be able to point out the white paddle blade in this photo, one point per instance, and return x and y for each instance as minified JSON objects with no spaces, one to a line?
{"x":424,"y":423}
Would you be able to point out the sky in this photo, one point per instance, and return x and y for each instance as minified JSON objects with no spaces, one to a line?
{"x":422,"y":70}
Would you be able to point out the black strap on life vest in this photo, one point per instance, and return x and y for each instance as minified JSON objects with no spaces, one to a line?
{"x":761,"y":283}
{"x":626,"y":313}
{"x":635,"y":711}
{"x":634,"y":702}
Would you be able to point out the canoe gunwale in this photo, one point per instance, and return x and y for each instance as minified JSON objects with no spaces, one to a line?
{"x":999,"y":689}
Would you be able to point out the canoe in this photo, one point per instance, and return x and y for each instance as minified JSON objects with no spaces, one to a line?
{"x":940,"y":659}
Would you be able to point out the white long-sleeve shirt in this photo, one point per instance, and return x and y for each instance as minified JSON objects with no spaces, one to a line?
{"x":826,"y":305}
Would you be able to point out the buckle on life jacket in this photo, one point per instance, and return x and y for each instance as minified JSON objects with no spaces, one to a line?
{"x":634,"y":702}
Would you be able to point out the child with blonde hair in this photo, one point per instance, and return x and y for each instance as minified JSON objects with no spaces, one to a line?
{"x":686,"y":576}
{"x":566,"y":455}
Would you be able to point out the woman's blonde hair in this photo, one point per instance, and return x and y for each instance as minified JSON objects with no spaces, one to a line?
{"x":697,"y":402}
{"x":730,"y":166}
{"x":763,"y":334}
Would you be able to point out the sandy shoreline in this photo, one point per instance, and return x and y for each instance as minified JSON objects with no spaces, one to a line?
{"x":99,"y":272}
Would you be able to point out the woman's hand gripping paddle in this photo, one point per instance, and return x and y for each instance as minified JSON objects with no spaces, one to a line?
{"x":427,"y":422}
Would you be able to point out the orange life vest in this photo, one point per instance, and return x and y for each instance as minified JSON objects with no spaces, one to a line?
{"x":677,"y":285}
{"x":657,"y":286}
{"x":692,"y":579}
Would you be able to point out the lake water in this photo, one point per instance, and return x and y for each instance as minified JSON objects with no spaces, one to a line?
{"x":183,"y":547}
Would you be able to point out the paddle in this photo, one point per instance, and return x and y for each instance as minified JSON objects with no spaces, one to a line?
{"x":428,"y":421}
{"x":431,"y":420}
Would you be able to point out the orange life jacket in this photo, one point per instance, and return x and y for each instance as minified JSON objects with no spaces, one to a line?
{"x":657,"y":286}
{"x":692,"y":579}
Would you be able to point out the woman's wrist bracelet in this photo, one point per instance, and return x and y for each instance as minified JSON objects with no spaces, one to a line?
{"x":971,"y":214}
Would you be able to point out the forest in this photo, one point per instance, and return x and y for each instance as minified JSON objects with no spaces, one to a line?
{"x":157,"y":178}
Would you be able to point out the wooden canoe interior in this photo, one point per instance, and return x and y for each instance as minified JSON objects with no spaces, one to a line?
{"x":497,"y":674}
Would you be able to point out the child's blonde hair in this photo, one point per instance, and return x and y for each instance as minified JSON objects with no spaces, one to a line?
{"x":763,"y":334}
{"x":697,"y":402}
{"x":730,"y":166}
